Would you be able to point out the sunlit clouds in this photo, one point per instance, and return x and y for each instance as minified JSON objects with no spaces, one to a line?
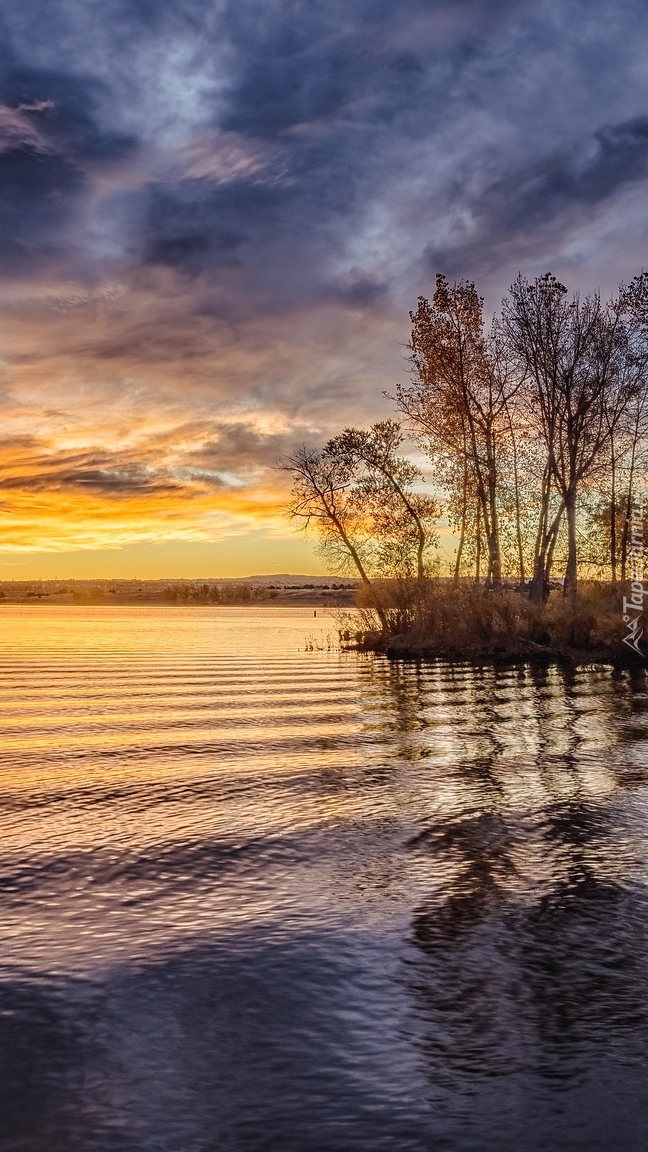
{"x":214,"y":219}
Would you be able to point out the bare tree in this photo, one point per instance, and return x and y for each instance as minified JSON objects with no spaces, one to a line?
{"x":573,"y":354}
{"x":538,"y":431}
{"x":458,"y":402}
{"x":322,"y":494}
{"x":386,"y":483}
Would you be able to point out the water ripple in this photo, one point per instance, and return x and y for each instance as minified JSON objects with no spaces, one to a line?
{"x":260,"y":898}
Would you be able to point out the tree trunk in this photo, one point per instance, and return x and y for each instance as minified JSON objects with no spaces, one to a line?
{"x":544,"y":559}
{"x":571,"y":572}
{"x":494,"y":551}
{"x":464,"y":514}
{"x":538,"y":590}
{"x":552,"y":539}
{"x":628,"y":506}
{"x":613,"y":539}
{"x":355,"y":556}
{"x":518,"y":519}
{"x":516,"y":483}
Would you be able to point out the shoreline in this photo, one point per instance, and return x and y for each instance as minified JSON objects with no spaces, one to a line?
{"x":502,"y":626}
{"x":537,"y":655}
{"x":400,"y":648}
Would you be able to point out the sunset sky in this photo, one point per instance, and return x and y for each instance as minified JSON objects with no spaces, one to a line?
{"x":216,"y":216}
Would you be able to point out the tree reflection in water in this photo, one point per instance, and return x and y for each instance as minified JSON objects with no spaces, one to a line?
{"x":531,"y":977}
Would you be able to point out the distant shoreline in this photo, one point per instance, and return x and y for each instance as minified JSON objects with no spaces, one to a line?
{"x":298,"y":592}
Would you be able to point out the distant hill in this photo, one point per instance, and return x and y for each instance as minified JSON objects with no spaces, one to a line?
{"x":288,"y":578}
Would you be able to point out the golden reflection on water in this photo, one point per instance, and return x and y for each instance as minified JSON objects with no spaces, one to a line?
{"x":436,"y":872}
{"x":154,"y":732}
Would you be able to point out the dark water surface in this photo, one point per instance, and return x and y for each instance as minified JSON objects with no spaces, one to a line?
{"x":260,"y":898}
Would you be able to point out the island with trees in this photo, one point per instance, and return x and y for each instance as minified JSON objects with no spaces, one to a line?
{"x":536,"y":434}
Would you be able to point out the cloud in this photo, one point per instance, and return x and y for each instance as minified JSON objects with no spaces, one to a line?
{"x":215,"y":217}
{"x":51,"y":142}
{"x":296,"y":143}
{"x":18,"y":129}
{"x":554,"y":191}
{"x":194,"y":484}
{"x":223,"y":157}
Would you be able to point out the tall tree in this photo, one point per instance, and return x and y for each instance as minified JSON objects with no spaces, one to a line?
{"x":458,"y":400}
{"x":573,"y":354}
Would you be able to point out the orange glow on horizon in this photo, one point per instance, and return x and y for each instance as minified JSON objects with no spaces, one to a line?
{"x":134,"y":428}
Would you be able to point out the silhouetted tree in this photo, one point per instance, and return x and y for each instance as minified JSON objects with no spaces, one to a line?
{"x":573,"y":355}
{"x":402,"y":517}
{"x":323,"y":494}
{"x":457,"y":404}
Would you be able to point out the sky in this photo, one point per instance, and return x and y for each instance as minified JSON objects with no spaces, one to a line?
{"x":216,"y":216}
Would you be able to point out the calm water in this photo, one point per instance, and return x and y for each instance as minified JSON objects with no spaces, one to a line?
{"x":261,"y":898}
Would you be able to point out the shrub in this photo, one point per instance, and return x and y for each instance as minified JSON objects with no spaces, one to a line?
{"x":437,"y":617}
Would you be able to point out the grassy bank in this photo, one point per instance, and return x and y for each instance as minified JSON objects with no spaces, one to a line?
{"x":468,"y":622}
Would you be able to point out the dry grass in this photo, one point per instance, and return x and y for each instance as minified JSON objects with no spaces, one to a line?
{"x":469,"y":621}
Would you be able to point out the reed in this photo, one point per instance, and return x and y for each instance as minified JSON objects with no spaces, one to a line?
{"x":436,"y":617}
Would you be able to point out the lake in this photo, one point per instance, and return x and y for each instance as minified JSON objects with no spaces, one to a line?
{"x":259,"y":895}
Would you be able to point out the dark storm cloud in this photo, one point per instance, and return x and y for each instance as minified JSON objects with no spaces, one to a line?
{"x":311,"y":66}
{"x":64,"y":112}
{"x":354,"y":98}
{"x":327,"y":87}
{"x":550,"y":194}
{"x":617,"y":154}
{"x":197,"y":224}
{"x":356,"y":290}
{"x":50,"y":140}
{"x":317,"y":148}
